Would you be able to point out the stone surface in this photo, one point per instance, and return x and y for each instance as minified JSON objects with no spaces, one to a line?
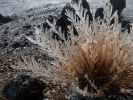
{"x":24,"y":87}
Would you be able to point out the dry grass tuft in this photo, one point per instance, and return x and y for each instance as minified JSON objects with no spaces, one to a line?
{"x":100,"y":61}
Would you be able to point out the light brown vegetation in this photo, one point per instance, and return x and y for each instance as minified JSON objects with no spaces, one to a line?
{"x":102,"y":62}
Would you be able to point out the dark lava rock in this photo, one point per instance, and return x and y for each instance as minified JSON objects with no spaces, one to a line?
{"x":24,"y":87}
{"x":118,"y":5}
{"x":23,"y":42}
{"x":45,"y":26}
{"x":86,"y":8}
{"x":99,"y":13}
{"x":126,"y":26}
{"x":4,"y":19}
{"x":57,"y":37}
{"x":75,"y":1}
{"x":26,"y":27}
{"x":64,"y":21}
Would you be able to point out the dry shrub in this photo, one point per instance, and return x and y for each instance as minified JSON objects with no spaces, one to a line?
{"x":100,"y":60}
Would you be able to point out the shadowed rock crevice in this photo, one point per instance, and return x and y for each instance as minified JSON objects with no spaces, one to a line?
{"x":118,"y":5}
{"x":4,"y":19}
{"x":24,"y":87}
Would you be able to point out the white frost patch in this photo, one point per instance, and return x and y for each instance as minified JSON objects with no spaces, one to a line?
{"x":128,"y":11}
{"x":9,"y":7}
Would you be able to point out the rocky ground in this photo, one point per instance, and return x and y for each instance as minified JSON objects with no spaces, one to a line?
{"x":21,"y":51}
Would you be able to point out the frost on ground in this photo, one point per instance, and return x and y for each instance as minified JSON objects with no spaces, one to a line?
{"x":93,"y":63}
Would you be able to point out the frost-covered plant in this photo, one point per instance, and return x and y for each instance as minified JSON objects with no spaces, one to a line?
{"x":99,"y":61}
{"x":102,"y":62}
